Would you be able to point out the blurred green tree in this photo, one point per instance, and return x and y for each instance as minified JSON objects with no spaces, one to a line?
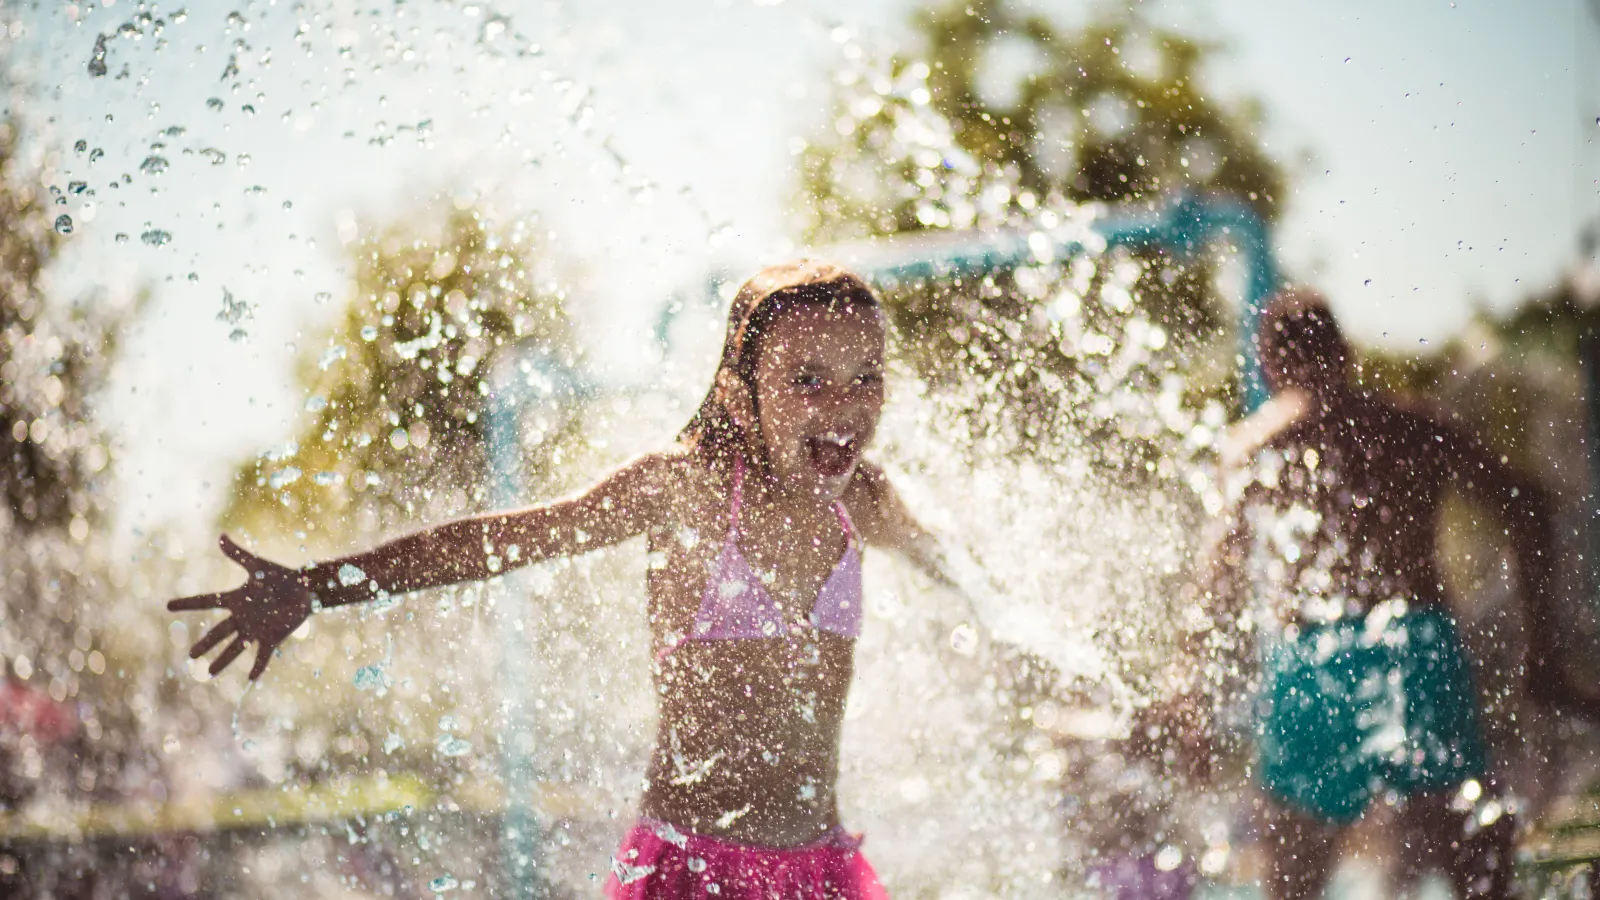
{"x":1007,"y":121}
{"x":1111,"y":112}
{"x":400,"y":388}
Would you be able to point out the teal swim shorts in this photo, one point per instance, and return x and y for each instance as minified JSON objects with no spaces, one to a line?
{"x":1359,"y":706}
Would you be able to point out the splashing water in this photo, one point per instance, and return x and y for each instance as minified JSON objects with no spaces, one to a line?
{"x":1044,"y":426}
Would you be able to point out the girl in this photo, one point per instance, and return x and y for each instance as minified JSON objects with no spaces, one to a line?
{"x":755,"y":521}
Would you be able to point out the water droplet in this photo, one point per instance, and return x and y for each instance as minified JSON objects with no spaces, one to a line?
{"x":215,"y":104}
{"x":175,"y":131}
{"x":442,"y":884}
{"x":283,"y":477}
{"x":696,"y":864}
{"x":627,"y":873}
{"x":1168,"y":858}
{"x":452,"y":746}
{"x":1367,"y":283}
{"x":350,"y":575}
{"x":95,"y":154}
{"x":80,"y":146}
{"x":153,"y":165}
{"x":217,"y":157}
{"x":77,"y":187}
{"x":369,"y":333}
{"x":316,"y":404}
{"x":234,"y":311}
{"x":155,"y":237}
{"x":331,"y":356}
{"x":64,"y":224}
{"x":372,"y":678}
{"x":121,"y":238}
{"x":97,"y":61}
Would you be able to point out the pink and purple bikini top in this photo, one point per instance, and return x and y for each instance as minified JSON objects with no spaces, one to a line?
{"x":736,"y":606}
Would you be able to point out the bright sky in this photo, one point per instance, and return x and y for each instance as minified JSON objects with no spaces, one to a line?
{"x":1442,"y":158}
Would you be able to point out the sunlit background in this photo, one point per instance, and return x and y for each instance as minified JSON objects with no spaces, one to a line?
{"x":223,"y":196}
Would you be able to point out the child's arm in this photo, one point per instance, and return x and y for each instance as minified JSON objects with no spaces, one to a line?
{"x":275,"y":600}
{"x":884,"y":522}
{"x":1524,"y":508}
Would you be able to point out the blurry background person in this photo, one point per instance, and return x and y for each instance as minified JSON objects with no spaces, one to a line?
{"x":1325,"y":550}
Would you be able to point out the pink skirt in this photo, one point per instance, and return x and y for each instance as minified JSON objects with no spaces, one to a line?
{"x":659,"y":862}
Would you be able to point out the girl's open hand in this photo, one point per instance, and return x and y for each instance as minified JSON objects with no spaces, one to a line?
{"x":267,"y":608}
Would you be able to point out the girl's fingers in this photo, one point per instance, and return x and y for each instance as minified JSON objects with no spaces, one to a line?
{"x":198,"y":601}
{"x":227,"y":656}
{"x":240,"y":555}
{"x":224,"y":630}
{"x":263,"y":656}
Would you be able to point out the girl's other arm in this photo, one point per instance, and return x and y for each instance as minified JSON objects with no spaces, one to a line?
{"x":886,"y":523}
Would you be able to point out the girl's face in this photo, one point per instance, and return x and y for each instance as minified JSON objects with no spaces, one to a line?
{"x":819,"y":392}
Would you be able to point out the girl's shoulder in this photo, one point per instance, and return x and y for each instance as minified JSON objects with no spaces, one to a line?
{"x":680,"y":477}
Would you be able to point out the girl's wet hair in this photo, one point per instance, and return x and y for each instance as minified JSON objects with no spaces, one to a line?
{"x":1300,"y":343}
{"x":760,"y":302}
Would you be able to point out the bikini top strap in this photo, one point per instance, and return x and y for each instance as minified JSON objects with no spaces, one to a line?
{"x":844,"y":522}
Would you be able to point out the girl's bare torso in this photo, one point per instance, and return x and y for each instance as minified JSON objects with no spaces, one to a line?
{"x":748,"y":738}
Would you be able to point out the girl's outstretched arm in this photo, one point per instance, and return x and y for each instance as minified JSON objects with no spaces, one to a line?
{"x":275,"y":600}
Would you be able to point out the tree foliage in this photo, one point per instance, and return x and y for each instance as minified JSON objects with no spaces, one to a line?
{"x":1009,"y":123}
{"x":1112,"y":112}
{"x":399,"y":390}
